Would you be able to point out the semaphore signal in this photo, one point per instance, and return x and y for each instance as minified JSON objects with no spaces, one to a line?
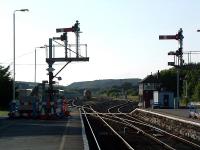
{"x":167,"y":37}
{"x":178,"y":53}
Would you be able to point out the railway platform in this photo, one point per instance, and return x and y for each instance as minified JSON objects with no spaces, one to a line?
{"x":74,"y":137}
{"x":30,"y":134}
{"x":173,"y":120}
{"x":177,"y":113}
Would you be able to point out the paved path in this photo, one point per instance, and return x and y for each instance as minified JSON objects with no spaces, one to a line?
{"x":24,"y":134}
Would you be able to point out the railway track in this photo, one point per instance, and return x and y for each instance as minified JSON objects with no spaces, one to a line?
{"x":169,"y":140}
{"x":133,"y":133}
{"x":116,"y":109}
{"x":117,"y":130}
{"x":103,"y":135}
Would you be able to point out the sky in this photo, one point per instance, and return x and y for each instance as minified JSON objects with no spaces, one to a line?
{"x":122,"y":36}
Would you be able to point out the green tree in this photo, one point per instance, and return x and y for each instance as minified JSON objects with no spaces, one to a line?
{"x":168,"y":80}
{"x":132,"y":92}
{"x":113,"y":92}
{"x":196,"y":95}
{"x":126,"y":86}
{"x":5,"y":87}
{"x":192,"y":78}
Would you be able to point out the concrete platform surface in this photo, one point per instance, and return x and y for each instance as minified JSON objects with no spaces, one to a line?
{"x":28,"y":134}
{"x":74,"y":137}
{"x":179,"y":113}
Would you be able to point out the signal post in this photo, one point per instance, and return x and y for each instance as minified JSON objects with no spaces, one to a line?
{"x":178,"y":53}
{"x":51,"y":60}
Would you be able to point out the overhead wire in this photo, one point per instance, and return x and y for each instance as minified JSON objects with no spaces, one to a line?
{"x":18,"y":57}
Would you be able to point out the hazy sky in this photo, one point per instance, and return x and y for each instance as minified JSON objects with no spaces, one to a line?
{"x":122,"y":35}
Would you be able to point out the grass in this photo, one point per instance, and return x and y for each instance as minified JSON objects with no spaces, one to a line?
{"x":3,"y":113}
{"x":133,"y":98}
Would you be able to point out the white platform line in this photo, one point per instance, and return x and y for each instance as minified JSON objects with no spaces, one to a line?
{"x":170,"y":117}
{"x":85,"y":141}
{"x":62,"y":143}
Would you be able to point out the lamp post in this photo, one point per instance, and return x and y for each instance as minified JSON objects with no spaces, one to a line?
{"x":23,"y":10}
{"x":35,"y":61}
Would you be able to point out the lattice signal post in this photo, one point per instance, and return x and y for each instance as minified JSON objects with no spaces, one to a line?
{"x":178,"y":53}
{"x":67,"y":58}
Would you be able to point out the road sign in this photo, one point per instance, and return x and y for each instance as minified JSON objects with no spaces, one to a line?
{"x":50,"y":69}
{"x":167,"y":37}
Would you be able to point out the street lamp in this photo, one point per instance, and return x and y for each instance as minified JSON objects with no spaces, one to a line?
{"x":23,"y":10}
{"x":35,"y":60}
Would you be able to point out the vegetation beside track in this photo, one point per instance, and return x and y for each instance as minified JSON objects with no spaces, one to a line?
{"x":3,"y":113}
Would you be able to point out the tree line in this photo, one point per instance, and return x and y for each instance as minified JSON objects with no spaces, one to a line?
{"x":189,"y":82}
{"x":5,"y":87}
{"x":189,"y":85}
{"x":124,"y":90}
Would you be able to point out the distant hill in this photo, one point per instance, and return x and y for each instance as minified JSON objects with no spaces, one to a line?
{"x":30,"y":85}
{"x":96,"y":84}
{"x":25,"y":85}
{"x":101,"y":84}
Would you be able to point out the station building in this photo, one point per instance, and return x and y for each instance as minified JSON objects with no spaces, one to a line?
{"x":151,"y":95}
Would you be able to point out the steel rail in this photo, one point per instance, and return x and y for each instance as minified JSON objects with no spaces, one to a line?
{"x":155,"y":128}
{"x":124,"y":106}
{"x":95,"y":139}
{"x":118,"y":110}
{"x":113,"y":115}
{"x":138,"y":129}
{"x":116,"y":106}
{"x":163,"y":131}
{"x":142,"y":123}
{"x":119,"y":136}
{"x":144,"y":133}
